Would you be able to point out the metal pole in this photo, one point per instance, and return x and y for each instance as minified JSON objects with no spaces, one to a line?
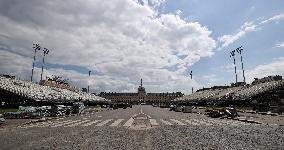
{"x":88,"y":85}
{"x":243,"y":67}
{"x":42,"y":67}
{"x":35,"y":47}
{"x":45,"y":51}
{"x":235,"y":70}
{"x":233,"y":55}
{"x":191,"y":79}
{"x":239,"y":50}
{"x":33,"y":66}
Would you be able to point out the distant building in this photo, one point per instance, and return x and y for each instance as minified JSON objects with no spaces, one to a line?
{"x":8,"y":76}
{"x":141,"y":96}
{"x":84,"y":90}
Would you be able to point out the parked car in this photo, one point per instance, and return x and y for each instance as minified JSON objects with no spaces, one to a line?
{"x":187,"y":108}
{"x":78,"y":107}
{"x":179,"y":107}
{"x":120,"y":105}
{"x":172,"y":107}
{"x":2,"y":120}
{"x":154,"y":105}
{"x":164,"y":106}
{"x":129,"y":105}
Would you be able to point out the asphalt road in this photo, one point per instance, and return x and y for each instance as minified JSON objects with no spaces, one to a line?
{"x":141,"y":127}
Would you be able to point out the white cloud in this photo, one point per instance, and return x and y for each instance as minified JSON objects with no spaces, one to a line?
{"x":121,"y":39}
{"x":260,"y":71}
{"x":246,"y":28}
{"x":280,"y":45}
{"x":274,"y":18}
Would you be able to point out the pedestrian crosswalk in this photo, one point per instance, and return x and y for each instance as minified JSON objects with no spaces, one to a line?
{"x":129,"y":122}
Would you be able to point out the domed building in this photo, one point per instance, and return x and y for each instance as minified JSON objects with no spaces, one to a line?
{"x":141,"y":96}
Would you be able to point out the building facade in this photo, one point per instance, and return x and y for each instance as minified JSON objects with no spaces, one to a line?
{"x":141,"y":96}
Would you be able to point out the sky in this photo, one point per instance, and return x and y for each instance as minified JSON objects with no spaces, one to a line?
{"x":161,"y":41}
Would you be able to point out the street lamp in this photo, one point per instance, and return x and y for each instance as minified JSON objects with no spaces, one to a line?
{"x":45,"y":51}
{"x":35,"y":47}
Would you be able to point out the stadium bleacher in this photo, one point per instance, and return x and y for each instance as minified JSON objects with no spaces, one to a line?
{"x":38,"y":92}
{"x":244,"y":92}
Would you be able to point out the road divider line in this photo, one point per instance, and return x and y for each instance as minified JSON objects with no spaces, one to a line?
{"x":103,"y":123}
{"x":116,"y":122}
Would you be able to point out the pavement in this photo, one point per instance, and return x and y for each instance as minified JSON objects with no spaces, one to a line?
{"x":141,"y":127}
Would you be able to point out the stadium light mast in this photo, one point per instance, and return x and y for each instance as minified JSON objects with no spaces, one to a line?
{"x":88,"y":84}
{"x":233,"y":55}
{"x":35,"y":47}
{"x":45,"y":51}
{"x":191,"y":79}
{"x":239,"y":50}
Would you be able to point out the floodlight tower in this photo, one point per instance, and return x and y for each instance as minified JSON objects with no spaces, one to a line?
{"x":239,"y":50}
{"x":233,"y":55}
{"x":35,"y":47}
{"x":45,"y":51}
{"x":88,"y":85}
{"x":191,"y":79}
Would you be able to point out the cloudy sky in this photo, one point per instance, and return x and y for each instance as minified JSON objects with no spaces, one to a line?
{"x":161,"y":41}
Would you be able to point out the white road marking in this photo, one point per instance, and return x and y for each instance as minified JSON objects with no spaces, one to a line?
{"x":62,"y":124}
{"x":42,"y":124}
{"x":116,"y":122}
{"x":34,"y":125}
{"x":55,"y":123}
{"x":129,"y":122}
{"x":202,"y":122}
{"x":166,"y":122}
{"x":190,"y":122}
{"x":178,"y":122}
{"x":75,"y":124}
{"x":90,"y":123}
{"x":234,"y":123}
{"x":103,"y":123}
{"x":153,"y":122}
{"x":215,"y":122}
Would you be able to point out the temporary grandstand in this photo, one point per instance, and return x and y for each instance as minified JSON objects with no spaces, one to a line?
{"x":266,"y":93}
{"x":19,"y":91}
